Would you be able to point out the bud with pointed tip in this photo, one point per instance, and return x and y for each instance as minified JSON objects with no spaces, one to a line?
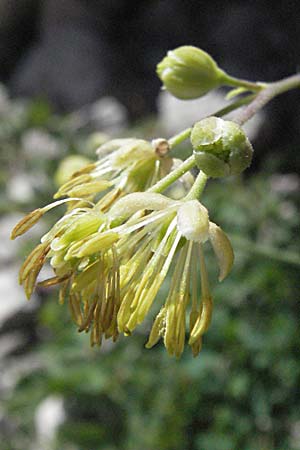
{"x":188,"y":72}
{"x":221,"y":147}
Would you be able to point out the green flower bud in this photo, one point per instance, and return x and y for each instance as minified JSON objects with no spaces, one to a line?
{"x":188,"y":72}
{"x":221,"y":147}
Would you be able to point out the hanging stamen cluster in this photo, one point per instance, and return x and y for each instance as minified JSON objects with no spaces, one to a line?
{"x":110,"y":266}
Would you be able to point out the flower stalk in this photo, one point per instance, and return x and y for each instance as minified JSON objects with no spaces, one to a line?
{"x":270,"y":91}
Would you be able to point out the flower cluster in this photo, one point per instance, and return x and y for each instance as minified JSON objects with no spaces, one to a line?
{"x":124,"y":165}
{"x":134,"y":222}
{"x":113,"y":248}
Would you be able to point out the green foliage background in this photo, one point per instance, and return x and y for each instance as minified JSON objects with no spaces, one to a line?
{"x":242,"y":392}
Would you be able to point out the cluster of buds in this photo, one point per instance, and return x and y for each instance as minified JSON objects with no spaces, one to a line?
{"x":134,"y":222}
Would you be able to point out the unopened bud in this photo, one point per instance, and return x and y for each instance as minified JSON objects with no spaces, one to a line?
{"x":188,"y":72}
{"x":221,"y":147}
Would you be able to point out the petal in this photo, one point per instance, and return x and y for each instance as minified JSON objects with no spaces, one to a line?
{"x":192,"y":221}
{"x":222,"y":248}
{"x":131,"y":203}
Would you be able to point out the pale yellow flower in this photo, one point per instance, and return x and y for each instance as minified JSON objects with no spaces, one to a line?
{"x":124,"y":166}
{"x":111,"y":266}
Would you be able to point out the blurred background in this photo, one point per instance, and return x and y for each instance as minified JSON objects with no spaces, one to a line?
{"x":74,"y":73}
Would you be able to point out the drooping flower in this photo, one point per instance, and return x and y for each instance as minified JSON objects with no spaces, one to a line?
{"x":112,"y":251}
{"x":111,"y":266}
{"x":167,"y":240}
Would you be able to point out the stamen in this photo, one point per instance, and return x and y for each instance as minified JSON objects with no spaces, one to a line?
{"x":204,"y":319}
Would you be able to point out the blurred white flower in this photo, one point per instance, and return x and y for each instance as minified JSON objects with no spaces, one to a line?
{"x":39,"y":144}
{"x":20,"y":187}
{"x":285,"y":183}
{"x":49,"y":416}
{"x":106,"y":114}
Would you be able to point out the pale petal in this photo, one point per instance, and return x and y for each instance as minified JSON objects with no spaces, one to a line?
{"x":131,"y":203}
{"x":192,"y":221}
{"x":222,"y":248}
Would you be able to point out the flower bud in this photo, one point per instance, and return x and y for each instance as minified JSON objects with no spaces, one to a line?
{"x":221,"y":147}
{"x":188,"y":72}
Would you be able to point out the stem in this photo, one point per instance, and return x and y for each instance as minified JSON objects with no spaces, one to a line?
{"x":267,"y":94}
{"x":198,"y":187}
{"x":178,"y":138}
{"x":237,"y":82}
{"x":241,"y":102}
{"x":254,"y":101}
{"x":185,"y":134}
{"x":165,"y":182}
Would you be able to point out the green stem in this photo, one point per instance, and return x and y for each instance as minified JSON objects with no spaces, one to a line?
{"x":178,"y":138}
{"x":198,"y":187}
{"x":262,"y":98}
{"x":254,"y":102}
{"x":165,"y":182}
{"x":185,"y":134}
{"x":241,"y":102}
{"x":237,"y":82}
